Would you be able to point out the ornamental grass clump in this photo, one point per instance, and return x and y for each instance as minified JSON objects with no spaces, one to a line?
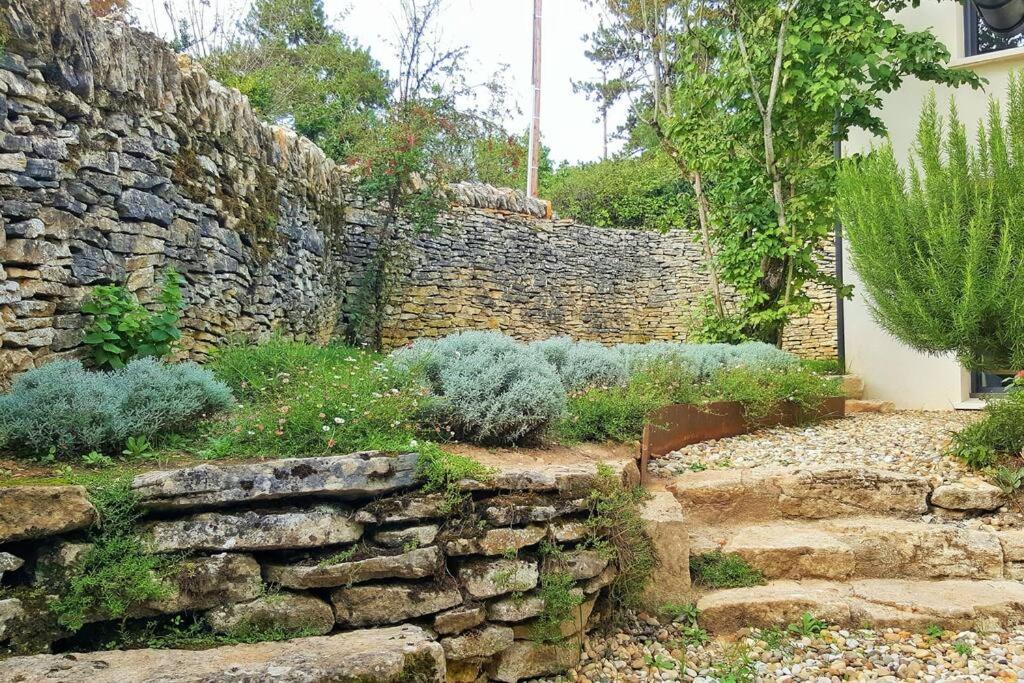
{"x":487,"y":387}
{"x":65,"y":409}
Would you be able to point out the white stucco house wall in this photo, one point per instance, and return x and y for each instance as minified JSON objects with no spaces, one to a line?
{"x":891,"y":370}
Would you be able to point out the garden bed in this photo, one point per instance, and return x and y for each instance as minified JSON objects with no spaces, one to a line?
{"x":672,"y":427}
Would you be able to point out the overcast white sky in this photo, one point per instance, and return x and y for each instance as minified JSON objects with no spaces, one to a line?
{"x":496,"y":31}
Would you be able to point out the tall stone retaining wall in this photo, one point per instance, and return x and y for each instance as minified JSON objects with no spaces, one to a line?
{"x":325,"y":545}
{"x":119,"y":157}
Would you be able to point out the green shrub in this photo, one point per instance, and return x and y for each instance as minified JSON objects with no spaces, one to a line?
{"x":584,"y":364}
{"x":122,"y":329}
{"x":616,"y":526}
{"x":703,"y":360}
{"x":613,"y":413}
{"x":303,"y":399}
{"x":723,"y":570}
{"x":938,"y":248}
{"x":999,"y":433}
{"x":761,"y":390}
{"x":645,"y":193}
{"x":63,"y":406}
{"x":560,"y":605}
{"x":117,"y":573}
{"x":487,"y":387}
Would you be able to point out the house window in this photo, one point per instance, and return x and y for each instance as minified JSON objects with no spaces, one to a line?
{"x":979,"y":39}
{"x":984,"y":383}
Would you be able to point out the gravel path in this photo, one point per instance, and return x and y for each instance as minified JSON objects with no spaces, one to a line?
{"x":649,"y":651}
{"x":907,"y":441}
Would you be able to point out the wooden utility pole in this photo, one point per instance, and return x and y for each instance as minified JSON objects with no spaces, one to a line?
{"x":533,"y":156}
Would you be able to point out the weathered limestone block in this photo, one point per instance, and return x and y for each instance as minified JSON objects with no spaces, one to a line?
{"x":143,"y":206}
{"x":762,"y":494}
{"x":527,"y":659}
{"x":39,"y":511}
{"x":414,"y":536}
{"x":414,"y":564}
{"x":511,"y":510}
{"x":391,"y":603}
{"x":321,"y":525}
{"x":970,"y":494}
{"x":496,"y":541}
{"x":515,"y":608}
{"x":568,"y":532}
{"x":401,"y":510}
{"x":55,"y":562}
{"x":484,"y":642}
{"x":347,"y":477}
{"x":459,"y":619}
{"x":577,"y":623}
{"x":11,"y":612}
{"x":666,"y":526}
{"x":567,"y":480}
{"x":388,"y":655}
{"x":293,"y":612}
{"x":489,"y":578}
{"x":207,"y":582}
{"x":9,"y":563}
{"x":579,"y":564}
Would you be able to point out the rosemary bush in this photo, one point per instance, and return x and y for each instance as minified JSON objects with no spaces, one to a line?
{"x":938,"y":246}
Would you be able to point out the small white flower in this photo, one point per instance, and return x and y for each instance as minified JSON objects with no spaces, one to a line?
{"x":326,"y":428}
{"x":339,"y":421}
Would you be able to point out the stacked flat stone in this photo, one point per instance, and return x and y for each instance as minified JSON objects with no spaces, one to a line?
{"x":335,"y":544}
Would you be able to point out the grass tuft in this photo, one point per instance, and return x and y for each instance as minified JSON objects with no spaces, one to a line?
{"x":723,"y":570}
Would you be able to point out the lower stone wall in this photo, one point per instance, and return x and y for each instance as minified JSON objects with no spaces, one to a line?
{"x":326,"y":545}
{"x":536,"y":278}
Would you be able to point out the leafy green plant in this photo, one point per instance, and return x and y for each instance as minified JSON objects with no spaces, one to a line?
{"x":1009,"y":479}
{"x":934,"y":631}
{"x":723,"y":570}
{"x":137,"y":448}
{"x":614,"y":523}
{"x":735,"y":666}
{"x":938,"y":246}
{"x":339,"y":557}
{"x":560,"y":603}
{"x":773,"y":636}
{"x":963,"y":648}
{"x":808,"y":626}
{"x":66,"y":410}
{"x":660,"y":661}
{"x":442,"y":473}
{"x":97,"y":459}
{"x":685,"y":613}
{"x":122,"y":329}
{"x":116,"y":573}
{"x":999,"y":433}
{"x":695,"y":636}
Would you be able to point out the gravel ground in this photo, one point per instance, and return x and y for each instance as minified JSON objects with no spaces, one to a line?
{"x":649,"y":651}
{"x":907,"y":441}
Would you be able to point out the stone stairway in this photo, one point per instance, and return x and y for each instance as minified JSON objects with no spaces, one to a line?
{"x":853,"y":547}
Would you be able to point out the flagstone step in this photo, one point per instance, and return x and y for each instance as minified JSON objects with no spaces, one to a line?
{"x":861,"y":547}
{"x":763,"y":494}
{"x":954,"y":604}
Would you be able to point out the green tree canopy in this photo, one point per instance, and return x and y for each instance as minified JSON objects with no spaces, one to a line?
{"x":298,"y":70}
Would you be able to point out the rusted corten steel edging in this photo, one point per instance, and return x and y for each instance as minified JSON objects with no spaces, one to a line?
{"x":681,"y":424}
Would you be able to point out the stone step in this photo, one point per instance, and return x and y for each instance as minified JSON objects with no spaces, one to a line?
{"x":861,"y":547}
{"x":762,"y":494}
{"x":863,"y":405}
{"x":954,"y":604}
{"x":381,"y":655}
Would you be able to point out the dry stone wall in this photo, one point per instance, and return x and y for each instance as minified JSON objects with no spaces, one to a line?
{"x":119,"y":157}
{"x":327,"y":545}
